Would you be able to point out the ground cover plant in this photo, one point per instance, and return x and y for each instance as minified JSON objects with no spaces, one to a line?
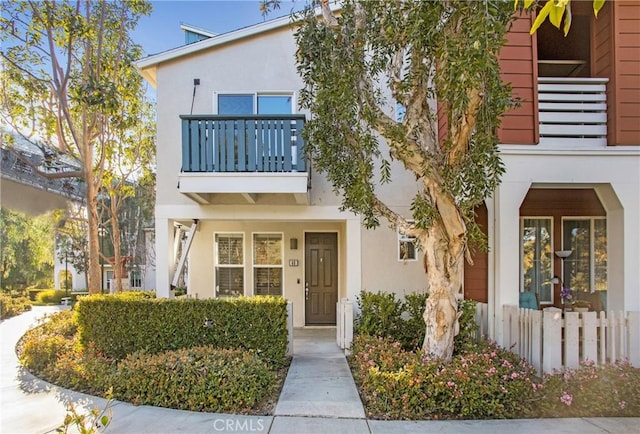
{"x":482,"y":381}
{"x":199,"y":378}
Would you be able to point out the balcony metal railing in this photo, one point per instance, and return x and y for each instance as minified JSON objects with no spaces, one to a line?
{"x":216,"y":143}
{"x":572,"y":111}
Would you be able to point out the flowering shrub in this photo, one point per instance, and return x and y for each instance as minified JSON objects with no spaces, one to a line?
{"x":484,"y":382}
{"x":198,"y":379}
{"x":13,"y":305}
{"x":590,"y":391}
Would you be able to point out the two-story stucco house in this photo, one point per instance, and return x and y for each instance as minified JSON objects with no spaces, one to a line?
{"x":231,"y":158}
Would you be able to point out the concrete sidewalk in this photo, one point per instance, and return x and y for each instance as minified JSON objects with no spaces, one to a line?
{"x":319,"y":396}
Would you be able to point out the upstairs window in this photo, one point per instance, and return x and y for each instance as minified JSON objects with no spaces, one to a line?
{"x":253,"y":103}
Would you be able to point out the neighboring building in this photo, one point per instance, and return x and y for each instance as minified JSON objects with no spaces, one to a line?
{"x":236,"y":195}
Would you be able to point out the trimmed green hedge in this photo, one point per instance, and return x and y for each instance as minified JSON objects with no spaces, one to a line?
{"x":118,"y":327}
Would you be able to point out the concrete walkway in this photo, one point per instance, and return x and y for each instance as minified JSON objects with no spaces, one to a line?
{"x":318,"y":397}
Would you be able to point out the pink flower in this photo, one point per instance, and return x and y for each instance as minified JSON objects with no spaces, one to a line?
{"x":514,"y":375}
{"x":566,"y":399}
{"x":451,"y":384}
{"x":622,"y":405}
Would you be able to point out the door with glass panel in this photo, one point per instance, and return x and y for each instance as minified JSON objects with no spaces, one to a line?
{"x":536,"y":257}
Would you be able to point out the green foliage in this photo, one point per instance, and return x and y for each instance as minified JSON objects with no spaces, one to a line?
{"x":26,"y":250}
{"x":43,"y":345}
{"x":13,"y":305}
{"x":68,"y":74}
{"x":485,"y":382}
{"x":198,"y":379}
{"x":382,"y":315}
{"x":379,"y":314}
{"x":381,"y":53}
{"x":612,"y":390}
{"x":119,"y":326}
{"x":87,"y":423}
{"x":49,"y":296}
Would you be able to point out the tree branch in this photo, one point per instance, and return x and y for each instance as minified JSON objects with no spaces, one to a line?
{"x":462,"y":128}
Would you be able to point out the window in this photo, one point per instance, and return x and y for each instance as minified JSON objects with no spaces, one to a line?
{"x":585,"y":270}
{"x":267,"y":264}
{"x":109,"y":279}
{"x":274,"y":104}
{"x":229,"y":265}
{"x":406,"y":247}
{"x":235,"y":104}
{"x":253,"y":103}
{"x":536,"y":257}
{"x":135,"y":278}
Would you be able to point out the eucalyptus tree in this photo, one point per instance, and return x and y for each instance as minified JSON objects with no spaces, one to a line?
{"x":429,"y":58}
{"x":66,"y":80}
{"x":129,"y":161}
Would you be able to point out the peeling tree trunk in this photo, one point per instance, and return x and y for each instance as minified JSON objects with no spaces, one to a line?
{"x":116,"y":237}
{"x":444,"y":266}
{"x":94,"y":274}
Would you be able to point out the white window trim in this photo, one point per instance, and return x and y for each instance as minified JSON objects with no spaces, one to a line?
{"x":592,"y":256}
{"x":521,"y":254}
{"x":216,"y":264}
{"x":256,"y":94}
{"x":253,"y":265}
{"x":404,"y":238}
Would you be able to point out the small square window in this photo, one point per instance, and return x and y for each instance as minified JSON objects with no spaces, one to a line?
{"x":406,"y":248}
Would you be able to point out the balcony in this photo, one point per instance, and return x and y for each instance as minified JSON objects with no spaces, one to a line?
{"x":244,"y":159}
{"x":572,"y":112}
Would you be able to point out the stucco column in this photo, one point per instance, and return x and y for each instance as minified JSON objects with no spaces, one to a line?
{"x":506,"y":263}
{"x":622,"y":203}
{"x":354,"y":258}
{"x":164,"y":256}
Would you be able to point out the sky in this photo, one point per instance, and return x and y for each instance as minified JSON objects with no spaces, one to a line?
{"x":160,"y":31}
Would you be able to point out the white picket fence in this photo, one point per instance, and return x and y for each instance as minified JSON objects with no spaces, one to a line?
{"x":552,"y":339}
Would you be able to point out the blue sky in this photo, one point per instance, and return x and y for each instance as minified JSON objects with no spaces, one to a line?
{"x":160,"y":31}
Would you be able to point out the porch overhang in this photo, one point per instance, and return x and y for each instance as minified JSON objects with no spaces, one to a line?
{"x":241,"y":187}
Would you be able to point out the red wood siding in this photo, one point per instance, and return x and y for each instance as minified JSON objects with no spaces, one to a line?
{"x":476,"y":276}
{"x":616,"y":55}
{"x":626,"y":25}
{"x":519,"y":68}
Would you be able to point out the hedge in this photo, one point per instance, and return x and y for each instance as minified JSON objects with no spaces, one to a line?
{"x":197,"y":379}
{"x":12,"y":306}
{"x":118,"y":327}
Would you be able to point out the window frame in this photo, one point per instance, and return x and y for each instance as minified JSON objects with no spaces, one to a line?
{"x":270,"y":266}
{"x":592,"y":259}
{"x":402,"y":238}
{"x":216,"y":263}
{"x":538,"y":291}
{"x":256,"y":94}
